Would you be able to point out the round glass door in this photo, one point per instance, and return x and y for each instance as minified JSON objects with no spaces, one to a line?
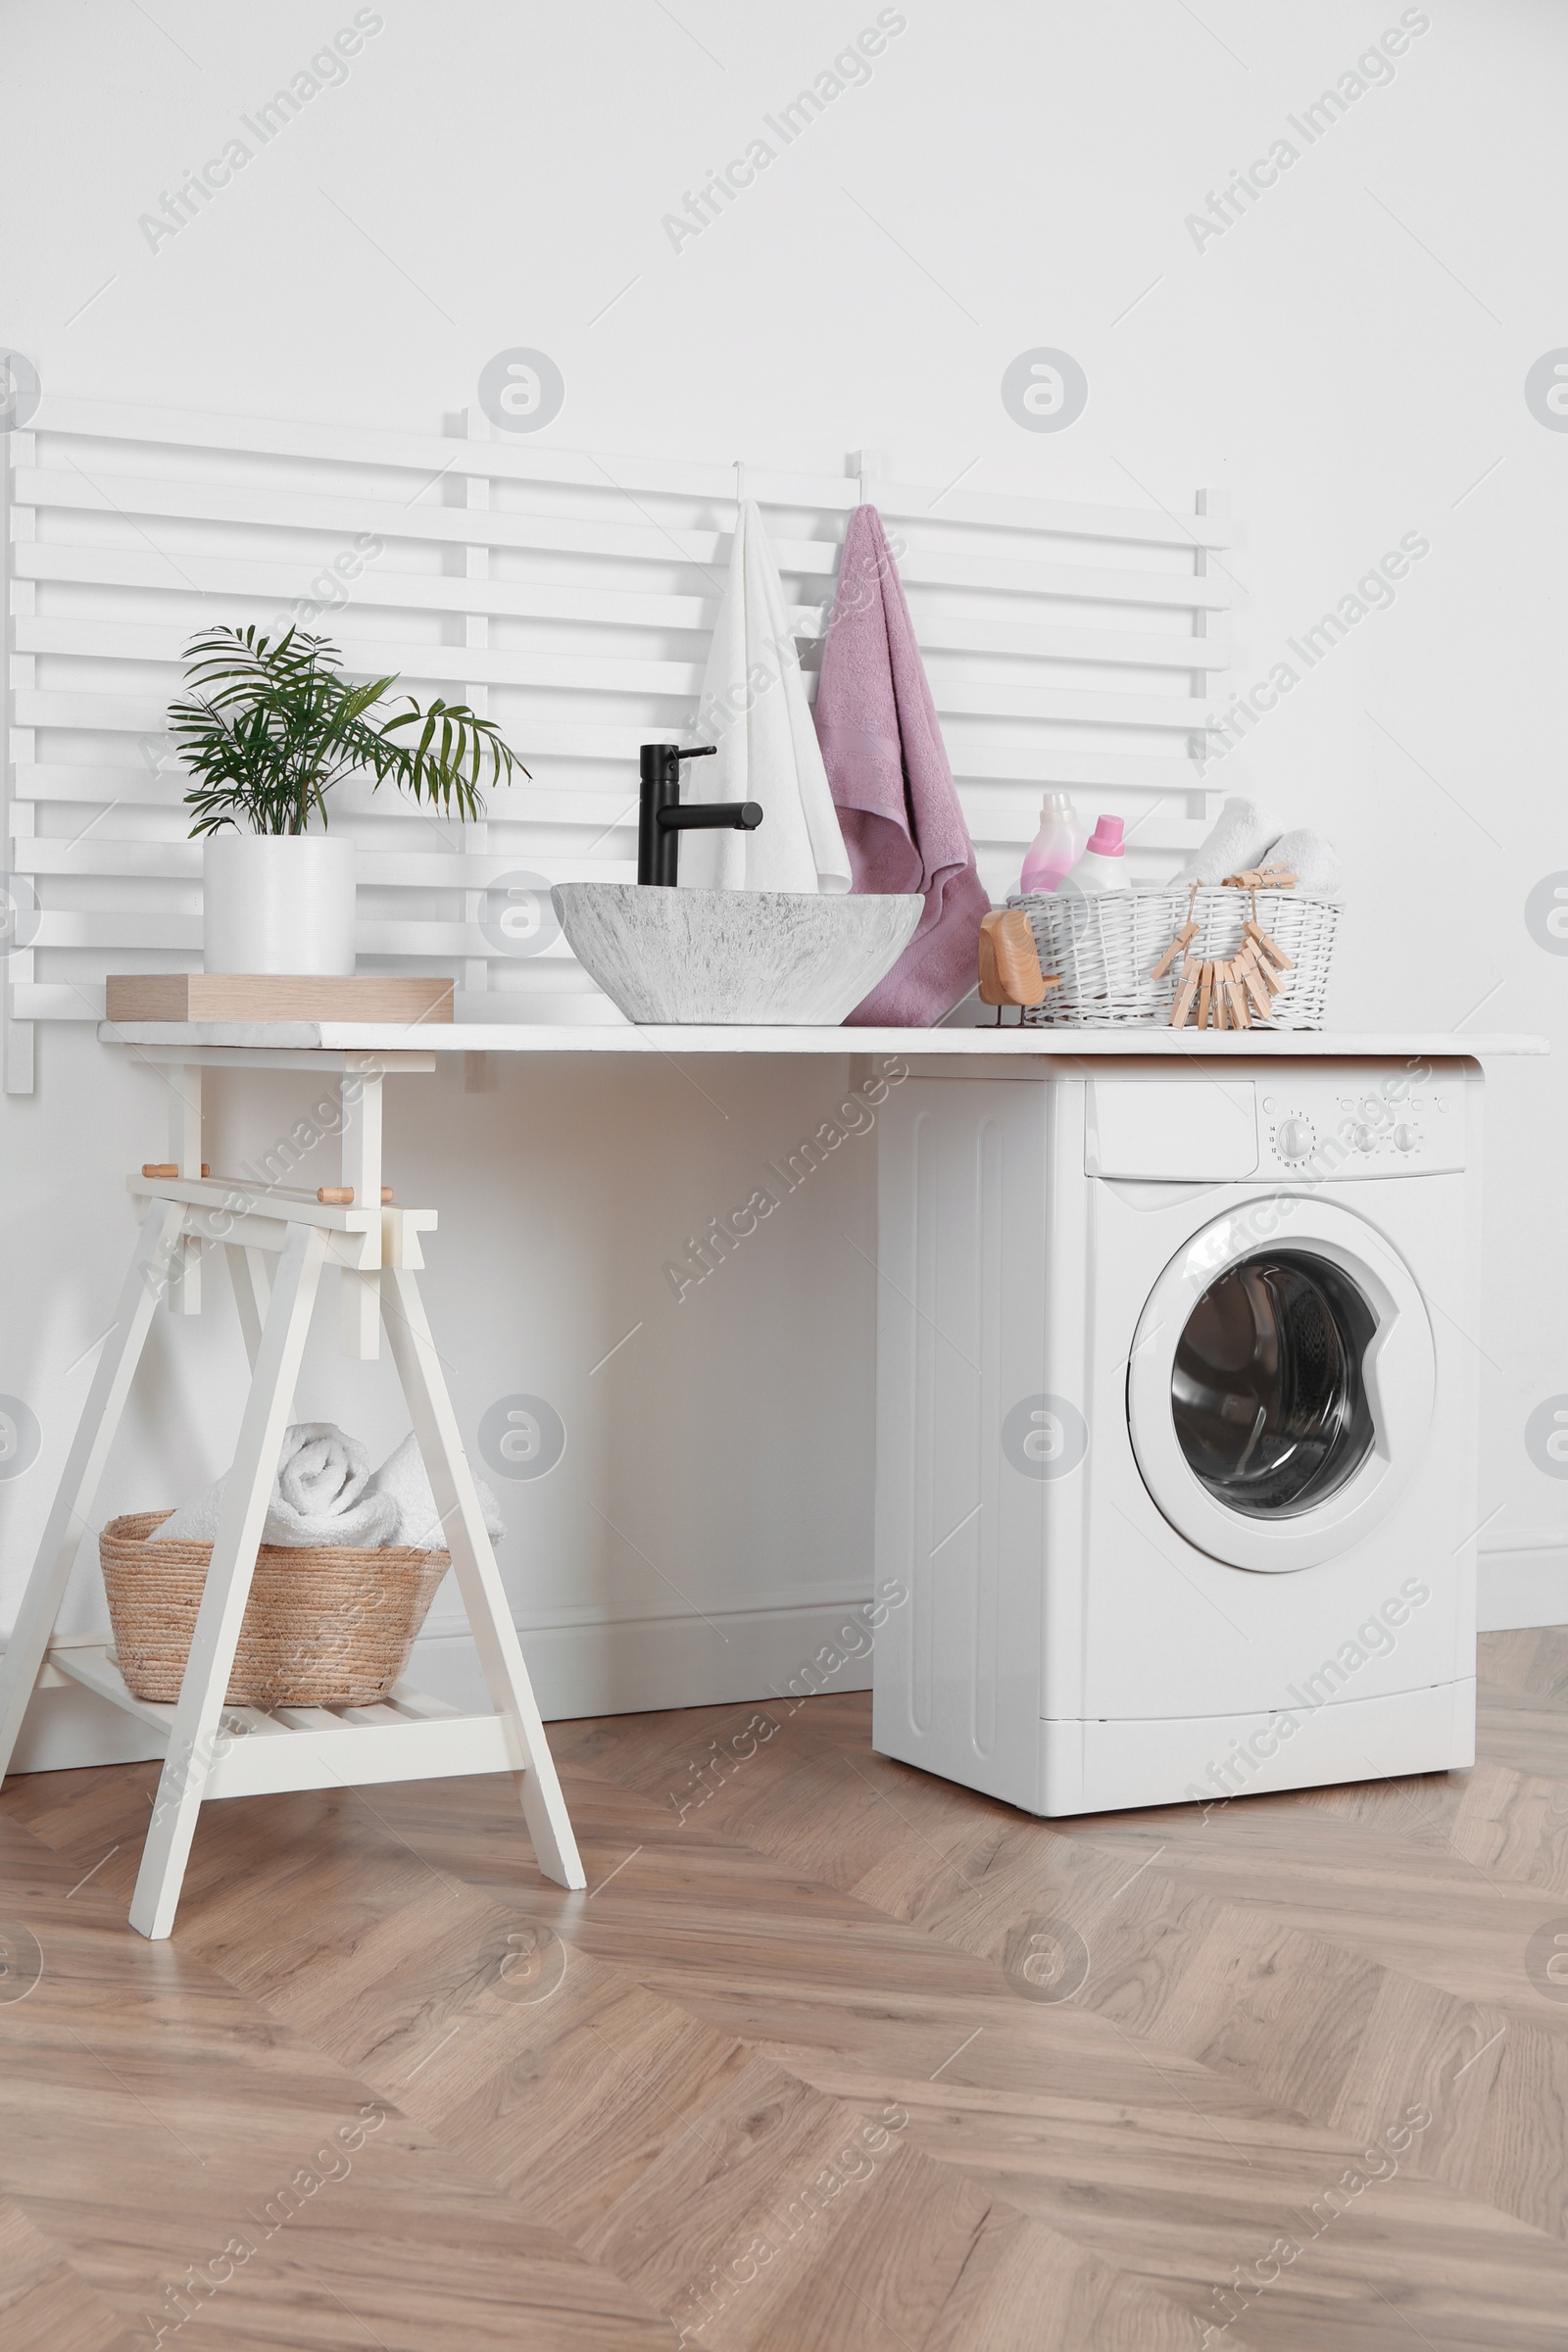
{"x":1267,"y":1387}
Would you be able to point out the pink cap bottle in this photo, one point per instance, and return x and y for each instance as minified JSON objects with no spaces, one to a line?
{"x":1104,"y":863}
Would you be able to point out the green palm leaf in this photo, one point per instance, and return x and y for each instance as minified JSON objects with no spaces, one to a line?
{"x":269,"y":727}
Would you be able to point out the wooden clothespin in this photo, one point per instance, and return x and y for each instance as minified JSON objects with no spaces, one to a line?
{"x":1192,"y":974}
{"x":1266,"y":877}
{"x":1267,"y":948}
{"x":1252,"y":979}
{"x":1206,"y":996}
{"x":1270,"y":955}
{"x":1009,"y":962}
{"x":1235,"y":996}
{"x":1183,"y":939}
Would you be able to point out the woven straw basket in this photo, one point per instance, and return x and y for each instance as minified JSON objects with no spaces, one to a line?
{"x":1106,"y":947}
{"x":325,"y":1626}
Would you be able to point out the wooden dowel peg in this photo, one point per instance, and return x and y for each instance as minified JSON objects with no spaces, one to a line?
{"x":335,"y":1196}
{"x":167,"y":1168}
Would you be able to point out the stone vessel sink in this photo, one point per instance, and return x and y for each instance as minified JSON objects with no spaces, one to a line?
{"x":761,"y":958}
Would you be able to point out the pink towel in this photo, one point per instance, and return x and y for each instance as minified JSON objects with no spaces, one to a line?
{"x":882,"y":747}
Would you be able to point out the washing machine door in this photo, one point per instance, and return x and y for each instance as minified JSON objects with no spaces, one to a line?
{"x":1281,"y":1384}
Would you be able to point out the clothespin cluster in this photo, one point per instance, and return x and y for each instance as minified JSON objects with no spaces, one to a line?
{"x":1224,"y":993}
{"x":1261,"y":877}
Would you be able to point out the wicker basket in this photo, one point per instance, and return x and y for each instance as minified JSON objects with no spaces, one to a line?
{"x":1104,"y":949}
{"x":328,"y":1626}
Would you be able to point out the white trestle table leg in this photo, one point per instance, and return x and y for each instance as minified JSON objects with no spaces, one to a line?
{"x":248,"y":1272}
{"x":185,"y":1150}
{"x":360,"y":1164}
{"x":229,"y":1583}
{"x":435,"y":1425}
{"x":78,"y":1490}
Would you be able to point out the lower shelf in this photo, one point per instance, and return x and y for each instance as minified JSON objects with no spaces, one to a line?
{"x":409,"y":1736}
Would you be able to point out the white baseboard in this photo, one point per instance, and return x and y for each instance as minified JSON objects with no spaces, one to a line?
{"x":630,"y":1666}
{"x":579,"y":1665}
{"x":1523,"y":1584}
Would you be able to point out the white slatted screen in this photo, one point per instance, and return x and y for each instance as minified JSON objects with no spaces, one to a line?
{"x":568,"y":597}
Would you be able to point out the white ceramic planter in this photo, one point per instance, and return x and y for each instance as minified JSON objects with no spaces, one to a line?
{"x":277,"y":902}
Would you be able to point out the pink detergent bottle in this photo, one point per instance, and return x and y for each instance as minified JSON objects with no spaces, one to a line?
{"x":1058,"y":846}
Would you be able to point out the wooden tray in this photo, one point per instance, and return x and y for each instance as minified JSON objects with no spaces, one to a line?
{"x":275,"y":997}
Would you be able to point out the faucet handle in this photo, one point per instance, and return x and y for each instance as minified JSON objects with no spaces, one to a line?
{"x":660,"y":762}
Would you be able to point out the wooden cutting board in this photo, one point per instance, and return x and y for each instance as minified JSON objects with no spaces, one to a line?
{"x":275,"y":997}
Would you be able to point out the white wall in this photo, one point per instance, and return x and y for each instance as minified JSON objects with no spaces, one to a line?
{"x":1348,"y":358}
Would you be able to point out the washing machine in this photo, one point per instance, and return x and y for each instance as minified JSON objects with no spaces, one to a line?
{"x":1177,"y":1383}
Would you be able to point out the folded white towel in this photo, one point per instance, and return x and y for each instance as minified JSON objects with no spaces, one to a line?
{"x":1310,"y":858}
{"x":1236,"y":841}
{"x":403,"y":1481}
{"x":326,"y":1493}
{"x":754,"y":708}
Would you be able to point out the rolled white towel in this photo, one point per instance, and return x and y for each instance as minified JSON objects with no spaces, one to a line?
{"x":323,"y":1473}
{"x":403,"y":1481}
{"x":326,"y":1493}
{"x":321,"y":1494}
{"x":1310,"y":858}
{"x":1236,"y":841}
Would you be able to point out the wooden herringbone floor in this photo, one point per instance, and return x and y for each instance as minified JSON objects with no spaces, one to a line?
{"x":833,"y":2058}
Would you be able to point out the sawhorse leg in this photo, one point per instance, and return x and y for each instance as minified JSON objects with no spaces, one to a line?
{"x":229,"y":1582}
{"x":435,"y":1425}
{"x":72,"y":1510}
{"x":253,"y":1287}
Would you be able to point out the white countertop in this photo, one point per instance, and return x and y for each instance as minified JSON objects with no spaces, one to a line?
{"x":164,"y":1040}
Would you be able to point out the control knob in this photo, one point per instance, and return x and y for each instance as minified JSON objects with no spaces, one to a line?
{"x":1363,"y":1138}
{"x":1405,"y":1138}
{"x":1295,"y":1138}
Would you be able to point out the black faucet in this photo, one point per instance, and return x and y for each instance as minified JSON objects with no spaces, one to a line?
{"x":664,"y":817}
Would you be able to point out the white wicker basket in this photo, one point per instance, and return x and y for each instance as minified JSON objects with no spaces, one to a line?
{"x":1104,"y":949}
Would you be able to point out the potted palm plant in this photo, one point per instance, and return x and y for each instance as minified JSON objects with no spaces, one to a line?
{"x":269,"y":727}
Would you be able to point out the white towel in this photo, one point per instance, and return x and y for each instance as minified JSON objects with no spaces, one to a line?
{"x":326,"y":1493}
{"x":754,"y":708}
{"x":403,"y":1481}
{"x":1236,"y":842}
{"x":1310,"y":858}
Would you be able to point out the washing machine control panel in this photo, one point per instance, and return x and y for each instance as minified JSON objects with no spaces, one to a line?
{"x":1334,"y":1127}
